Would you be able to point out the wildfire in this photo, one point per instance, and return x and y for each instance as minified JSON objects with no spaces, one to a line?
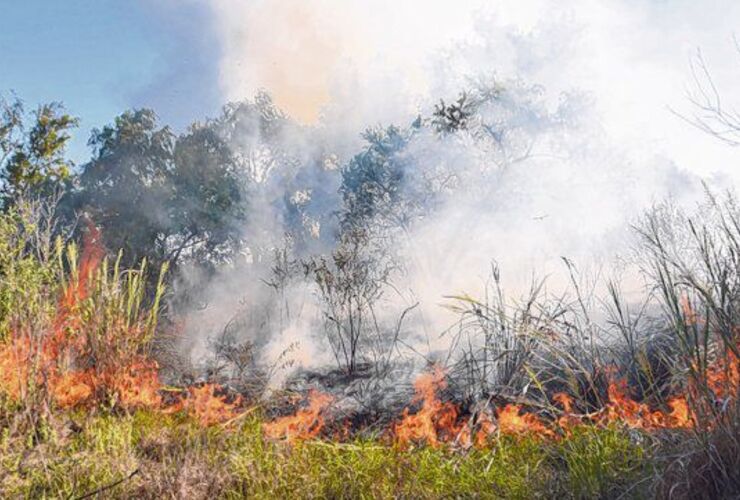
{"x":723,"y":376}
{"x":306,"y":423}
{"x":623,"y":409}
{"x":511,"y":420}
{"x":436,"y":421}
{"x":47,"y":358}
{"x":62,"y":359}
{"x":208,"y":407}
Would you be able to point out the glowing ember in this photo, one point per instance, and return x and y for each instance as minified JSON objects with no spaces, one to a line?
{"x":306,"y":423}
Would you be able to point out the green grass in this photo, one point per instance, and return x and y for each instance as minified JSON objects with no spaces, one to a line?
{"x":177,"y":458}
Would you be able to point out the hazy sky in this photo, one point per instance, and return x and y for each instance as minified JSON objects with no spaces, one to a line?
{"x":363,"y":62}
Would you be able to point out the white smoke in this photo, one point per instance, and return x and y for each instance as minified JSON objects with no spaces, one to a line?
{"x":606,"y":71}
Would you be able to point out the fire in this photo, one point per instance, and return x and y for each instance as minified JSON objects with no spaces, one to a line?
{"x":723,"y":376}
{"x":14,"y":368}
{"x":680,"y":415}
{"x":62,"y":360}
{"x":208,"y":407}
{"x":47,"y":358}
{"x":436,"y":421}
{"x":137,"y":385}
{"x":511,"y":420}
{"x":306,"y":423}
{"x":623,"y":409}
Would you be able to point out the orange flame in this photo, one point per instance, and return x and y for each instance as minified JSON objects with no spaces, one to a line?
{"x":51,"y":359}
{"x":436,"y":421}
{"x":623,"y":409}
{"x":208,"y":407}
{"x":511,"y":420}
{"x":723,"y":376}
{"x":306,"y":423}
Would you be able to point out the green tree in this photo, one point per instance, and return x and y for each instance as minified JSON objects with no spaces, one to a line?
{"x":206,"y":204}
{"x":124,"y":189}
{"x":373,"y":181}
{"x":160,"y":196}
{"x":33,"y":161}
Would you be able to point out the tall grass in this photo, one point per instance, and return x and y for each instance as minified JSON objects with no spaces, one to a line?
{"x":72,"y":322}
{"x":77,"y":331}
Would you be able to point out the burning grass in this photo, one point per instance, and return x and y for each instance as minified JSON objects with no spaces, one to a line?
{"x":176,"y":456}
{"x":83,"y":410}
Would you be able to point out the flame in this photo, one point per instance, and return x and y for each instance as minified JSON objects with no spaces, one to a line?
{"x":61,"y":360}
{"x":680,"y":415}
{"x":54,"y":358}
{"x":46,"y":359}
{"x":306,"y":423}
{"x":207,"y":407}
{"x":137,"y":385}
{"x":623,"y":409}
{"x":723,"y":376}
{"x":511,"y":420}
{"x":436,"y":421}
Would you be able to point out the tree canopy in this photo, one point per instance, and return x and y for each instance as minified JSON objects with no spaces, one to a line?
{"x":33,"y":157}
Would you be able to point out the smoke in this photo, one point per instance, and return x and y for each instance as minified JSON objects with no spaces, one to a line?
{"x":588,"y":92}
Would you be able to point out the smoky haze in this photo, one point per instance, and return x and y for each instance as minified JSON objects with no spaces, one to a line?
{"x":571,"y":137}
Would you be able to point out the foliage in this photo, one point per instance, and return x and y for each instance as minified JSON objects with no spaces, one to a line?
{"x":372,"y":182}
{"x":159,"y":196}
{"x":125,"y":188}
{"x":32,"y":160}
{"x":72,"y":322}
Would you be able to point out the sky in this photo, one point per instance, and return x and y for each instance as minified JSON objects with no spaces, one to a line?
{"x":100,"y":57}
{"x":363,"y":62}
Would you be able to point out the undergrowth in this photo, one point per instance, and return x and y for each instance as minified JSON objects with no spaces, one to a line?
{"x":151,"y":455}
{"x":83,"y":413}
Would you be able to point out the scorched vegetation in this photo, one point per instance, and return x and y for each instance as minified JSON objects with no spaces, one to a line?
{"x":574,"y":395}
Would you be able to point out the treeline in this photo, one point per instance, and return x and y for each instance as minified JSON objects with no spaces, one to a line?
{"x":235,"y":187}
{"x":154,"y":193}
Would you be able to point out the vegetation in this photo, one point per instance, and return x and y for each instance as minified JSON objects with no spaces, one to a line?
{"x":534,"y":398}
{"x":154,"y":457}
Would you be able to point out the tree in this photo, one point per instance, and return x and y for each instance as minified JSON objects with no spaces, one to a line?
{"x":125,"y":187}
{"x":206,"y":203}
{"x":710,"y":113}
{"x":160,"y":196}
{"x":372,"y":182}
{"x":33,"y":161}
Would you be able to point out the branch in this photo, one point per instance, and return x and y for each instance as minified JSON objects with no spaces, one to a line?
{"x":108,"y":487}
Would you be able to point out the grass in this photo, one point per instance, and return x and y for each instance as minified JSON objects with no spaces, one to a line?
{"x":80,"y":399}
{"x":175,"y":457}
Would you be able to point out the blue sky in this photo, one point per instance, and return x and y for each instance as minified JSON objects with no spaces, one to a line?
{"x":100,"y":57}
